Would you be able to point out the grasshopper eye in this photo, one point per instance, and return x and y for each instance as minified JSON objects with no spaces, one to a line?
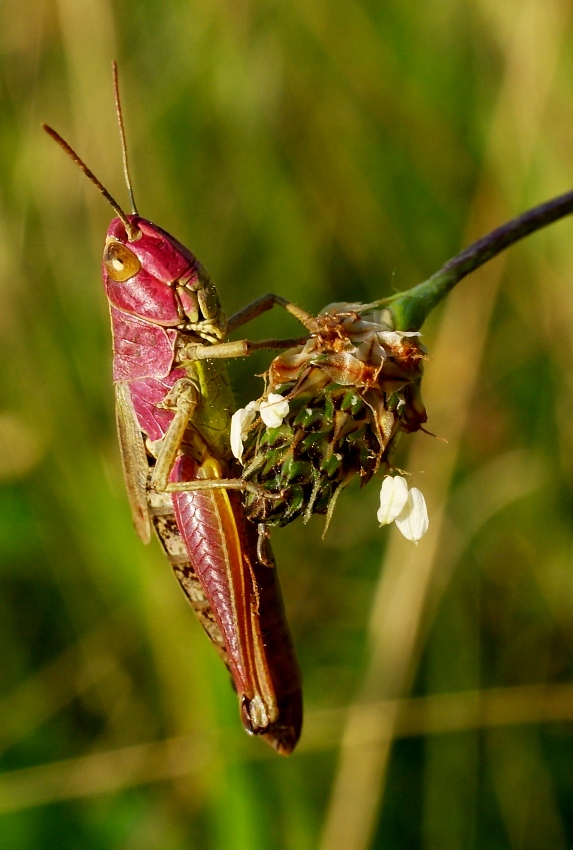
{"x":120,"y":262}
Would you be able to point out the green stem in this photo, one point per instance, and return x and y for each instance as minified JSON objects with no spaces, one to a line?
{"x":411,"y":308}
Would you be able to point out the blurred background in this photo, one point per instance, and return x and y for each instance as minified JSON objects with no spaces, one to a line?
{"x":326,"y":150}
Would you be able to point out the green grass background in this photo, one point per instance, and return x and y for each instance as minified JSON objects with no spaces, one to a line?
{"x":326,"y":150}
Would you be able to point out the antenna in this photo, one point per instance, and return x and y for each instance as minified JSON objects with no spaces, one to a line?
{"x":133,"y":232}
{"x":122,"y":137}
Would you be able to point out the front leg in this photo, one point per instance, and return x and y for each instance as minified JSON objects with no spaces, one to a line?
{"x":183,"y":399}
{"x":267,"y":302}
{"x":192,"y":351}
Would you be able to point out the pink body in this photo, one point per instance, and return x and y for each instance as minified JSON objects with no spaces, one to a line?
{"x":173,"y":416}
{"x":159,"y":295}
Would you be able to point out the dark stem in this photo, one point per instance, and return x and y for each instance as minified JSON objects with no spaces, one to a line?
{"x":411,"y":308}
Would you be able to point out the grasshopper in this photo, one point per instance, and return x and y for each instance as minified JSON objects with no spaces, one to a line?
{"x":173,"y":410}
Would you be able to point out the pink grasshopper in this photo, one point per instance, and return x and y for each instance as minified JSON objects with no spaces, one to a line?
{"x":173,"y":406}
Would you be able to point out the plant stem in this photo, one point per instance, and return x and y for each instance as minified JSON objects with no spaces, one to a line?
{"x":411,"y":308}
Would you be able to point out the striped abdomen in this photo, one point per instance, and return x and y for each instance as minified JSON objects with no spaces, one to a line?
{"x":213,"y":551}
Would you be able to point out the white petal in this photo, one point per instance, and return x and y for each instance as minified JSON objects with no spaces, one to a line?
{"x":413,"y":521}
{"x":240,"y":422}
{"x":237,"y":435}
{"x":274,"y":410}
{"x":341,"y":307}
{"x":394,"y":338}
{"x":393,"y":498}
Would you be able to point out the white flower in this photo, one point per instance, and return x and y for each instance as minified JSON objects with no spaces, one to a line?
{"x":394,"y":338}
{"x":274,"y":410}
{"x":413,"y":521}
{"x":240,"y":423}
{"x":407,"y":508}
{"x":393,"y":498}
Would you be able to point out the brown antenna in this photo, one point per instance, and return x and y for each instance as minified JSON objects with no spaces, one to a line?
{"x":122,"y":137}
{"x":133,"y":232}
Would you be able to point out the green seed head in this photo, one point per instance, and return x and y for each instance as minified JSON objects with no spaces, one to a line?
{"x":352,"y":388}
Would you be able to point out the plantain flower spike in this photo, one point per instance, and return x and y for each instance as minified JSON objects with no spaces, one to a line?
{"x":334,"y":407}
{"x":353,"y":388}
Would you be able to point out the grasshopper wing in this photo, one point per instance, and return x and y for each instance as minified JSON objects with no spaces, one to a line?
{"x":246,"y":604}
{"x":133,"y":459}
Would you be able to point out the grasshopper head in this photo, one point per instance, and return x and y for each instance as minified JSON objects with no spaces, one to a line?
{"x":150,"y":274}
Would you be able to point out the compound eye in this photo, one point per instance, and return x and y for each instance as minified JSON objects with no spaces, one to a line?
{"x":120,"y":262}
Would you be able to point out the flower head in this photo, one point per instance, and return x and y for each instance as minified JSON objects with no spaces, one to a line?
{"x":333,"y":408}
